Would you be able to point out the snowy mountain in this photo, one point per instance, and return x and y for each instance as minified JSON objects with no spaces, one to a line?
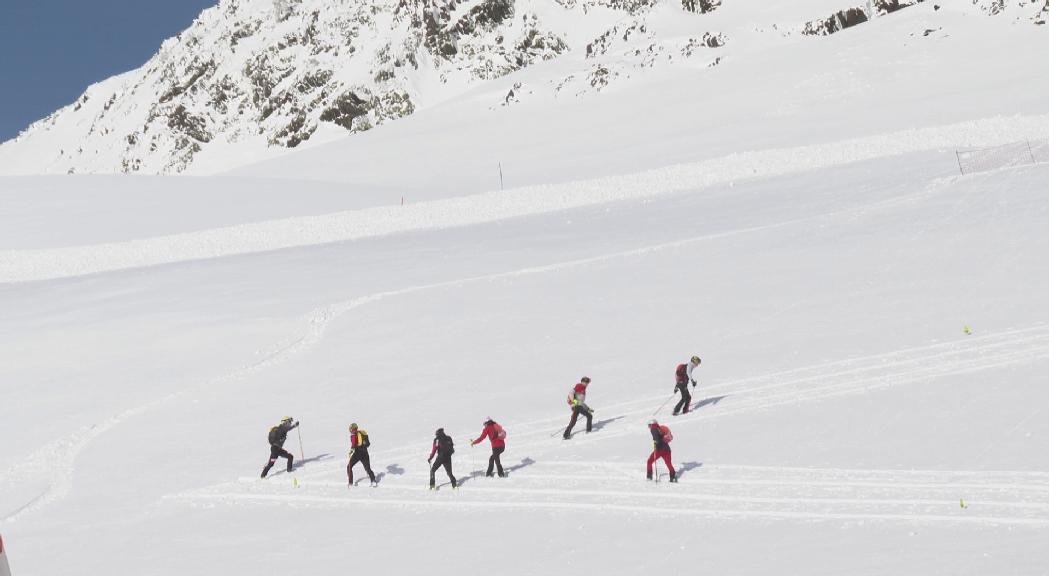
{"x":845,"y":218}
{"x":253,"y":78}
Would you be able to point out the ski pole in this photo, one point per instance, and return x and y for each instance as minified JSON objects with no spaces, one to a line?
{"x":672,"y":394}
{"x":301,"y":452}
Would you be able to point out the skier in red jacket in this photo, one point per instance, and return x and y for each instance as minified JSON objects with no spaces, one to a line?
{"x":577,"y":400}
{"x":497,"y":436}
{"x":661,"y":438}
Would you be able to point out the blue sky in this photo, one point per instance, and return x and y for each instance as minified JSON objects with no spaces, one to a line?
{"x":51,"y":50}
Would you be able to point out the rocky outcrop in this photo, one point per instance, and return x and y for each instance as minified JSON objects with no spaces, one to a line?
{"x":835,"y":22}
{"x":271,"y":72}
{"x":264,"y":74}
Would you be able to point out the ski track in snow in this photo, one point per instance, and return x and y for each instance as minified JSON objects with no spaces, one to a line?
{"x":719,"y":491}
{"x":53,"y":465}
{"x":727,"y":492}
{"x":43,"y":264}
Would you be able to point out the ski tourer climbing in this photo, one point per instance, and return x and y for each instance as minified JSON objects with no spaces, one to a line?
{"x":577,"y":401}
{"x":443,"y":448}
{"x":683,"y":375}
{"x":661,"y":438}
{"x":359,"y":443}
{"x":277,"y":436}
{"x":497,"y":436}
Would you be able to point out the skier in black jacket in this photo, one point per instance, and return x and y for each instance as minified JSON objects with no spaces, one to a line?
{"x":683,"y":375}
{"x":443,"y":447}
{"x":359,"y":443}
{"x":278,"y":435}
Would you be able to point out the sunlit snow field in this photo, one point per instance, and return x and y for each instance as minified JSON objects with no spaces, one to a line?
{"x":873,"y":327}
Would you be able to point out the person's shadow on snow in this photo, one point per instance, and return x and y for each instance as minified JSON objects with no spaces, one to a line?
{"x":687,"y":467}
{"x":708,"y":401}
{"x":394,"y":469}
{"x":525,"y":462}
{"x":305,"y":461}
{"x":602,"y":423}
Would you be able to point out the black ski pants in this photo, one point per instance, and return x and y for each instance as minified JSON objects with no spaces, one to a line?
{"x":576,"y":411}
{"x":686,"y":399}
{"x":360,"y":455}
{"x":277,"y":452}
{"x":446,"y":462}
{"x":494,"y":461}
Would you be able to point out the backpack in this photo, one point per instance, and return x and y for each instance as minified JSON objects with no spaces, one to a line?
{"x":667,"y":436}
{"x":499,"y":432}
{"x":445,"y":445}
{"x":274,"y":435}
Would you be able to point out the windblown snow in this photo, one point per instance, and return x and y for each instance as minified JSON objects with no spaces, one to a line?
{"x":872,"y":324}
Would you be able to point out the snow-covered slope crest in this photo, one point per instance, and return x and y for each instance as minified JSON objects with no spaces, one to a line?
{"x":252,"y":78}
{"x":31,"y":265}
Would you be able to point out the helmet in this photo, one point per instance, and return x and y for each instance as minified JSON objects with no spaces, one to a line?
{"x":353,"y":426}
{"x":285,"y":419}
{"x":585,"y":379}
{"x":489,"y":420}
{"x":653,"y":422}
{"x":696,"y":360}
{"x":439,"y":432}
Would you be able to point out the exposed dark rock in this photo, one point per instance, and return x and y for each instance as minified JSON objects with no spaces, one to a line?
{"x":195,"y":127}
{"x":194,"y":72}
{"x":702,"y":6}
{"x":345,"y":109}
{"x":890,"y":6}
{"x":295,"y":133}
{"x":835,"y":23}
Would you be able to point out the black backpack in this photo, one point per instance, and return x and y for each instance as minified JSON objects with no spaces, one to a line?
{"x":445,"y":445}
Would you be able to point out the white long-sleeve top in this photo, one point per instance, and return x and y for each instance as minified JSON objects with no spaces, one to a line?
{"x":689,"y":367}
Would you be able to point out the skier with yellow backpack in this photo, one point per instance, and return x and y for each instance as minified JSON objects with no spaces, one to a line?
{"x":359,"y":443}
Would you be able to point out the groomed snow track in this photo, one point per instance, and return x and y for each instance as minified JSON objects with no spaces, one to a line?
{"x":540,"y":481}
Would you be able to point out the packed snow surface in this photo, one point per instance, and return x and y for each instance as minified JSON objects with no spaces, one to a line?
{"x":873,"y":328}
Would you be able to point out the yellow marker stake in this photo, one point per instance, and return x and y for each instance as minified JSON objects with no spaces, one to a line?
{"x":961,"y":503}
{"x":967,"y":331}
{"x":295,"y":481}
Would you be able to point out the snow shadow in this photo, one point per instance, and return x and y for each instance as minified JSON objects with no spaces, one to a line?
{"x":317,"y":458}
{"x":595,"y":427}
{"x":708,"y":401}
{"x":602,"y":423}
{"x":463,"y":479}
{"x":525,"y":462}
{"x":394,"y":469}
{"x":480,"y":473}
{"x":686,"y":467}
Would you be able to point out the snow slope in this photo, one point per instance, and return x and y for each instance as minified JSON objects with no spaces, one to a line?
{"x":873,"y":326}
{"x":870,"y":81}
{"x":838,"y":393}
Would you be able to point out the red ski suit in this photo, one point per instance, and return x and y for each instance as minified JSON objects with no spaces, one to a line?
{"x":492,"y":433}
{"x":661,"y":442}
